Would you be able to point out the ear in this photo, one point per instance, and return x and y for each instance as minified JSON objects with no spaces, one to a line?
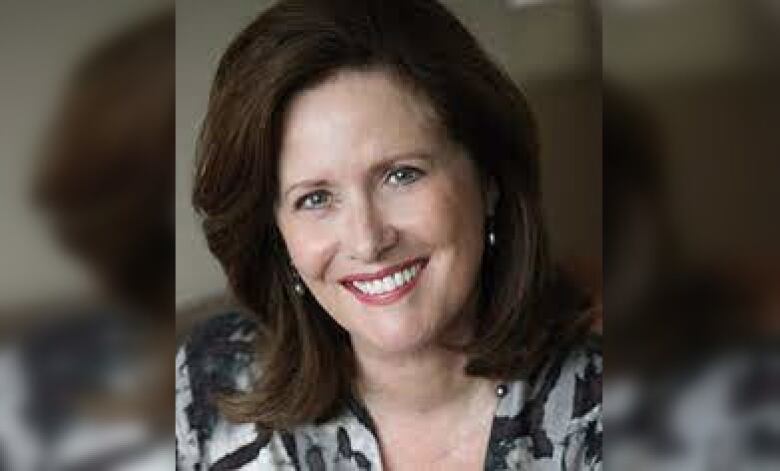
{"x":492,"y":194}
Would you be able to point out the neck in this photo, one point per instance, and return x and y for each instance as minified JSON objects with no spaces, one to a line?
{"x":425,"y":381}
{"x":419,"y":383}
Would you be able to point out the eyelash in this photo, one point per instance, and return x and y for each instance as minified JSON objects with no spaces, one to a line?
{"x":409,"y":176}
{"x":303,"y":201}
{"x":415,"y":172}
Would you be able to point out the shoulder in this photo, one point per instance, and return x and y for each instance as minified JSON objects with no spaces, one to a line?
{"x":574,"y":378}
{"x":553,"y":415}
{"x":217,"y":355}
{"x":568,"y":388}
{"x":215,"y":359}
{"x":568,"y":394}
{"x":220,"y":338}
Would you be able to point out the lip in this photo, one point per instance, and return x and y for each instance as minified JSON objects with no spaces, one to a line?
{"x":389,"y":297}
{"x":384,"y":272}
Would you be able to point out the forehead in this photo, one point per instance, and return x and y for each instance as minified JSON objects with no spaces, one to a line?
{"x":353,"y":117}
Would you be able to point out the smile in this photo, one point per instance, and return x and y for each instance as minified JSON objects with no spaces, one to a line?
{"x":385,"y":286}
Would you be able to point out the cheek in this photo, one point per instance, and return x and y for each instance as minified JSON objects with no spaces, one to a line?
{"x":309,"y":246}
{"x":453,"y":225}
{"x":448,"y":212}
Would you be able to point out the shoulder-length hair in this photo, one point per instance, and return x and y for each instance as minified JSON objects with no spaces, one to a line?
{"x":306,"y":358}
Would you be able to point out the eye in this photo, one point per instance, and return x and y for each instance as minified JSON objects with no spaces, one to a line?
{"x":404,"y":176}
{"x":314,"y":200}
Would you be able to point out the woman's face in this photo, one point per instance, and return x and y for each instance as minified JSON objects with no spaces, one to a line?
{"x":381,"y":213}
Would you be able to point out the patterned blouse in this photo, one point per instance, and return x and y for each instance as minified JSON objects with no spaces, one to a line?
{"x":550,"y":422}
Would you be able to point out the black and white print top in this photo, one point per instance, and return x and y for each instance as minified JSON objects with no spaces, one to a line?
{"x":550,"y":422}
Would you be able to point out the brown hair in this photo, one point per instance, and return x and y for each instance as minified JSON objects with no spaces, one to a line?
{"x":306,"y":358}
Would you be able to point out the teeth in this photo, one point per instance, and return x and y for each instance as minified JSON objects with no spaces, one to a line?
{"x":366,"y":287}
{"x":388,"y":283}
{"x":377,"y":286}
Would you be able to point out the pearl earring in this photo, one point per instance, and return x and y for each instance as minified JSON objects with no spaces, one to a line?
{"x":298,"y":286}
{"x":491,"y":232}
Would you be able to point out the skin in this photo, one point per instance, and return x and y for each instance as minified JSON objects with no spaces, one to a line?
{"x":369,"y":180}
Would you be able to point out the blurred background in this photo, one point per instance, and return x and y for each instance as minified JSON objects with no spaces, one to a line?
{"x":551,"y":49}
{"x":86,"y":197}
{"x":42,"y":45}
{"x":691,"y":273}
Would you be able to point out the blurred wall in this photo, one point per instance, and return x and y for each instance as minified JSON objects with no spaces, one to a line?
{"x":40,"y":44}
{"x":705,"y":71}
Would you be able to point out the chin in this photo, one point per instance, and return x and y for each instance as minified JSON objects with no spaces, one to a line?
{"x":398,"y":338}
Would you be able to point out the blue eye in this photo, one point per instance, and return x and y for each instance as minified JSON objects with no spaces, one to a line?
{"x":314,"y":200}
{"x":404,"y":176}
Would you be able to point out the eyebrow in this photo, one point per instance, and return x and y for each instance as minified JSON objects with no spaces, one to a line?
{"x":381,"y":164}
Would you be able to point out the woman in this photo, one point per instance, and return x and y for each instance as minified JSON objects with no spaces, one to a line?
{"x":368,"y":179}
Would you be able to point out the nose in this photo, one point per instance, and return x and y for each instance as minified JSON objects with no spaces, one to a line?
{"x":367,"y":234}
